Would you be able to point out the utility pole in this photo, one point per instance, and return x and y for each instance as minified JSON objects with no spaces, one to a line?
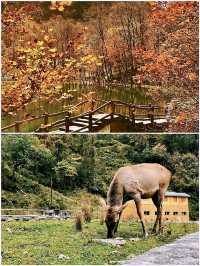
{"x":51,"y":193}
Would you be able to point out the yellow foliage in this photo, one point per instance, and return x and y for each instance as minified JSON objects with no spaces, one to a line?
{"x":40,"y":43}
{"x":61,"y":8}
{"x":46,"y":38}
{"x":53,"y":50}
{"x":58,"y":87}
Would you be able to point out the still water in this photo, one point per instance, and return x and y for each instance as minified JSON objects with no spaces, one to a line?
{"x":38,"y":106}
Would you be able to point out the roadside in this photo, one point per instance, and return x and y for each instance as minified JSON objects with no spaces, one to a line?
{"x":184,"y":251}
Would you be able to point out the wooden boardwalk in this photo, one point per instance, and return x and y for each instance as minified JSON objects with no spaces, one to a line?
{"x":95,"y":115}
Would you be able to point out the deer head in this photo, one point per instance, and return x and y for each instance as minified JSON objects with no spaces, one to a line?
{"x":112,"y":216}
{"x":112,"y":219}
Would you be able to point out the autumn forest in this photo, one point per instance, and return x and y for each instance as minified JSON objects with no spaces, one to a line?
{"x":57,"y":54}
{"x":99,"y":112}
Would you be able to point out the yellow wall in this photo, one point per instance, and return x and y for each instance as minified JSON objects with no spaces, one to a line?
{"x":171,"y":205}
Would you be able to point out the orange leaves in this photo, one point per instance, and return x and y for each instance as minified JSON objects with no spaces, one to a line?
{"x":181,"y":118}
{"x":60,"y":5}
{"x":44,"y":58}
{"x":192,"y":76}
{"x":174,"y":33}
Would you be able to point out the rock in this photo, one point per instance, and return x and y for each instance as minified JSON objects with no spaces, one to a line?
{"x":26,"y":218}
{"x":39,"y":218}
{"x":63,"y":257}
{"x":134,"y":239}
{"x":112,"y":241}
{"x":9,"y":230}
{"x":114,"y":252}
{"x":3,"y":219}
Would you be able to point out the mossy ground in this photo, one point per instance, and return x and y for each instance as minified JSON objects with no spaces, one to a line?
{"x":41,"y":242}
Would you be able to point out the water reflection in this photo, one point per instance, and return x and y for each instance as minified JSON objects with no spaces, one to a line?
{"x":40,"y":106}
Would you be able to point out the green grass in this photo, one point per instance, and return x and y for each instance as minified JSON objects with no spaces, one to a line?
{"x":41,"y":242}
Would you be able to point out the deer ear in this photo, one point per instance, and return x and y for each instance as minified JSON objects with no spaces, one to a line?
{"x":103,"y":203}
{"x":123,"y":207}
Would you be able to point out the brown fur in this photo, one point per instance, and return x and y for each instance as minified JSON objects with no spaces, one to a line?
{"x":136,"y":182}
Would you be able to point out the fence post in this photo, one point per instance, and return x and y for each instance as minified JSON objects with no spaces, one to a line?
{"x":151,"y":113}
{"x":112,"y":107}
{"x":43,"y":128}
{"x":46,"y":116}
{"x":17,"y":128}
{"x":90,"y":122}
{"x":92,"y":105}
{"x":66,"y":123}
{"x":132,"y":113}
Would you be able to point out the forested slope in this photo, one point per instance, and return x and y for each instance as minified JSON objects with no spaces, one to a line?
{"x":153,"y":45}
{"x":74,"y":163}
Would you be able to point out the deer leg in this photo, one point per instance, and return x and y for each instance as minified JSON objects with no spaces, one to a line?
{"x":158,"y":202}
{"x":116,"y":227}
{"x":162,"y":195}
{"x":138,"y":204}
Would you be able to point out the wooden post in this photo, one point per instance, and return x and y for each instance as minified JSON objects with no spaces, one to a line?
{"x":132,"y":113}
{"x":43,"y":128}
{"x":66,"y":123}
{"x":90,"y":122}
{"x":92,"y":105}
{"x":17,"y":128}
{"x":151,"y":114}
{"x":46,"y":116}
{"x":112,"y":107}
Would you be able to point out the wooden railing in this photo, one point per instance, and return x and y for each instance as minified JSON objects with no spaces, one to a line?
{"x":110,"y":108}
{"x":16,"y":125}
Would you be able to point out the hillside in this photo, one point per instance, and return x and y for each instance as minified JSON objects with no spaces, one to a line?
{"x":42,"y":199}
{"x":77,"y":164}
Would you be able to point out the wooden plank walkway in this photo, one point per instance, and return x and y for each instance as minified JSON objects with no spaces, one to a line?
{"x":100,"y":114}
{"x":81,"y":124}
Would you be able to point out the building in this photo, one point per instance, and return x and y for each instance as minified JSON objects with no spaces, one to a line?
{"x":175,"y":209}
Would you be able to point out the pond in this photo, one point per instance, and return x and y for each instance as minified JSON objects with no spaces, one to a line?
{"x":38,"y":107}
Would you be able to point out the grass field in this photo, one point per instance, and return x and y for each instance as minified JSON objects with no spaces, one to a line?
{"x":41,"y":242}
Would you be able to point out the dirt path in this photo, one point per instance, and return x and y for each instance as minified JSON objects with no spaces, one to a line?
{"x":184,"y":251}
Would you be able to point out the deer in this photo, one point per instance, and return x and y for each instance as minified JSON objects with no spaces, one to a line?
{"x":136,"y":182}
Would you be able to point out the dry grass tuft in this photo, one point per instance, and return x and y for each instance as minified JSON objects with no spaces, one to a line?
{"x":87,"y":214}
{"x":78,"y":221}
